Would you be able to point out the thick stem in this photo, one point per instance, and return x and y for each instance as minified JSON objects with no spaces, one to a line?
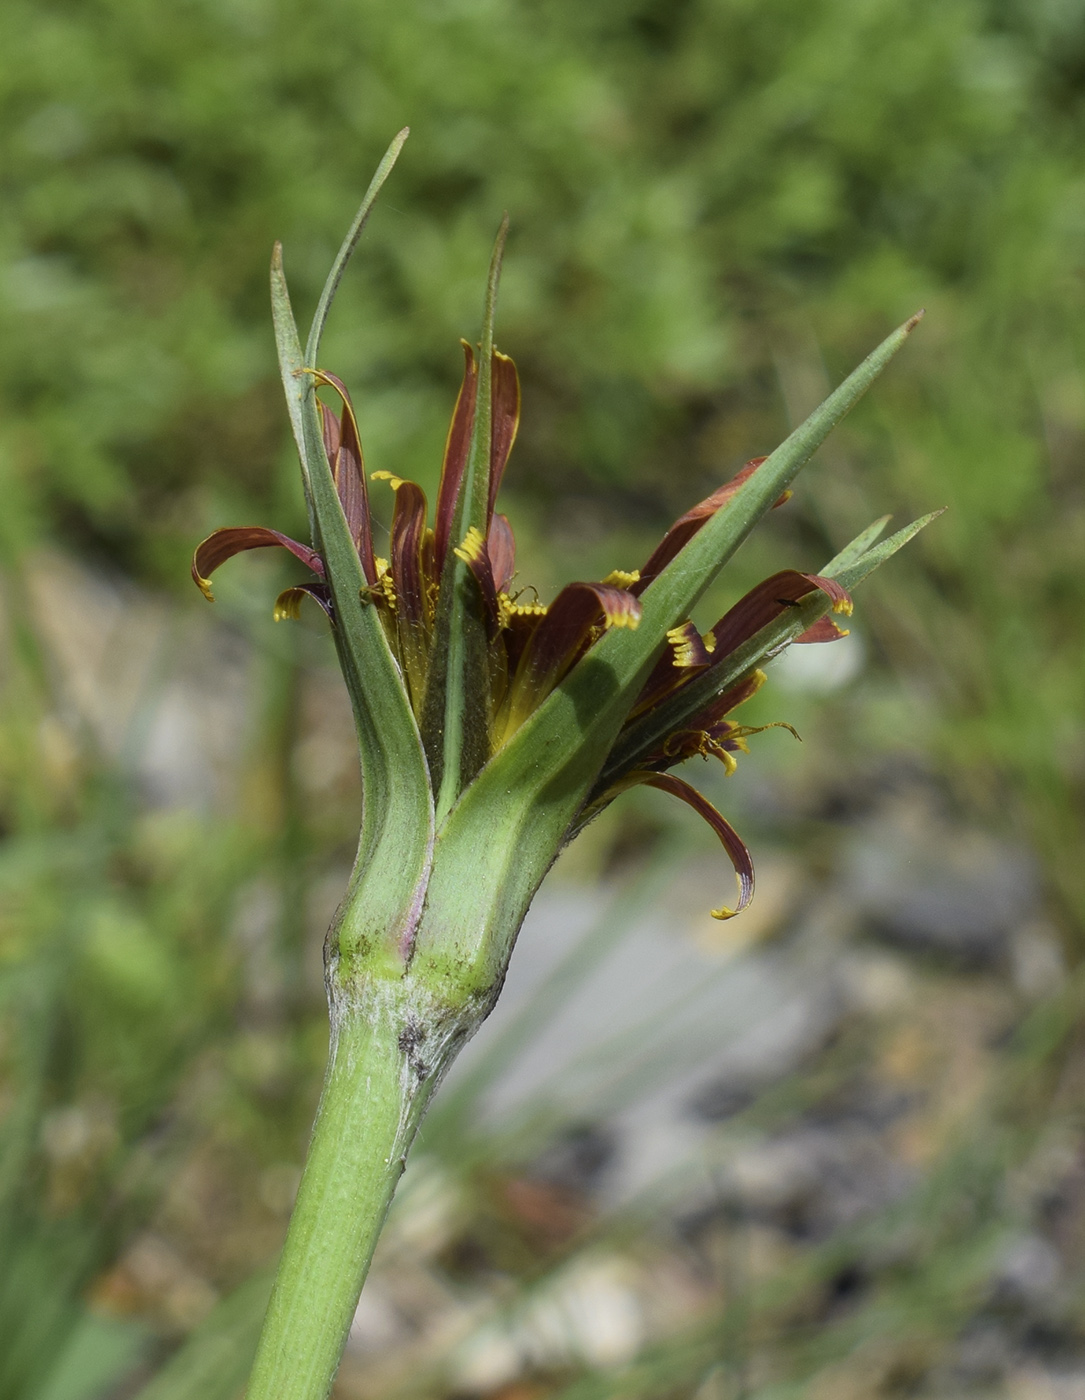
{"x":375,"y":1092}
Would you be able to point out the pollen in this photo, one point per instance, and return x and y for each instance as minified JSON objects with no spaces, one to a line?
{"x":619,"y":578}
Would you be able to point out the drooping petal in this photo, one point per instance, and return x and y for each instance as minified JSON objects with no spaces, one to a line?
{"x":501,"y":546}
{"x":223,"y":544}
{"x":558,"y":640}
{"x":729,"y":838}
{"x":288,"y":603}
{"x":686,"y":526}
{"x":348,"y":471}
{"x":764,"y":604}
{"x":823,"y":630}
{"x":505,"y":421}
{"x":455,"y":461}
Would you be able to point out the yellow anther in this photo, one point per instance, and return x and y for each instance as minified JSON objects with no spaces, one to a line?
{"x":472,"y":547}
{"x":709,"y":640}
{"x":619,"y":578}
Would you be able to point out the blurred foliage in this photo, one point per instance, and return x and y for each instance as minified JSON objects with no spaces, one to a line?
{"x":718,"y":206}
{"x":711,"y":199}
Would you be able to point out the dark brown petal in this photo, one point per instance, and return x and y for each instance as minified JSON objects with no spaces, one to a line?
{"x":329,"y":426}
{"x":456,"y":448}
{"x":476,"y":555}
{"x":408,"y":534}
{"x":766,"y":602}
{"x":709,"y":724}
{"x":409,"y":580}
{"x":686,"y":526}
{"x":729,"y":838}
{"x":288,"y":603}
{"x":224,"y":544}
{"x":823,"y":630}
{"x":501,"y":546}
{"x":348,"y":471}
{"x":560,"y":638}
{"x":687,"y":654}
{"x":506,"y":419}
{"x":730,"y":700}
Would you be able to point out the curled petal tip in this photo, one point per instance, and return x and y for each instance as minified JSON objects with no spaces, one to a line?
{"x":204,"y":585}
{"x":723,"y":913}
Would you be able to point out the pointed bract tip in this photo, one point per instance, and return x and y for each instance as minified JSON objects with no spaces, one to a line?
{"x":499,"y":241}
{"x":277,"y":256}
{"x":913,"y":321}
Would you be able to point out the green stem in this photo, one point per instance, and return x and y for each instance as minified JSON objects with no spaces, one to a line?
{"x":384,"y":1062}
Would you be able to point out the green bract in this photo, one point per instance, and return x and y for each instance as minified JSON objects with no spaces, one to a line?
{"x":490,"y":732}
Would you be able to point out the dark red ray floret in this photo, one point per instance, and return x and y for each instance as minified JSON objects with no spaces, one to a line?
{"x":223,"y":544}
{"x":504,"y":423}
{"x":407,"y":538}
{"x":457,"y":445}
{"x":764,"y":604}
{"x":729,"y":837}
{"x":348,"y":471}
{"x":686,"y":526}
{"x":561,"y":636}
{"x":501,"y":547}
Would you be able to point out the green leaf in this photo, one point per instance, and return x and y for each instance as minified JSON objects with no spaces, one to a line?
{"x":456,"y":720}
{"x":397,"y":816}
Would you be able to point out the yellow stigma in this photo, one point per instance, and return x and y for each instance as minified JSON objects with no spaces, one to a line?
{"x":508,"y":608}
{"x":288,"y":605}
{"x":395,"y":482}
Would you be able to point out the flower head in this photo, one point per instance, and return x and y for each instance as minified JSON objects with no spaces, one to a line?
{"x":529,"y":646}
{"x":493,"y":727}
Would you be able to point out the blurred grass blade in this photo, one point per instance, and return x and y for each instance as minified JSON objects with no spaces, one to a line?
{"x":214,"y":1362}
{"x":97,"y":1355}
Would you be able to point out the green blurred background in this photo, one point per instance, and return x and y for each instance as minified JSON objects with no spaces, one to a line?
{"x":718,"y":206}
